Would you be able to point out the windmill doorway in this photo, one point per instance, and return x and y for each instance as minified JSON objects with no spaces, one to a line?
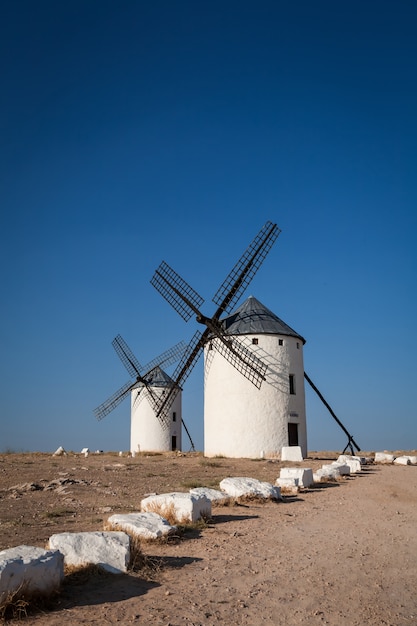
{"x":173,"y":443}
{"x":292,"y":434}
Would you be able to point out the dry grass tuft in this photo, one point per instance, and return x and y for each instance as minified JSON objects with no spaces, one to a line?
{"x":148,"y":567}
{"x":15,"y":605}
{"x":249,"y":499}
{"x":289,"y":491}
{"x":208,"y":463}
{"x":20,"y":603}
{"x":192,"y":484}
{"x":60,"y":512}
{"x":229,"y":501}
{"x":166,"y":511}
{"x":149,"y":453}
{"x":200,"y":524}
{"x":109,"y":527}
{"x":80,"y":574}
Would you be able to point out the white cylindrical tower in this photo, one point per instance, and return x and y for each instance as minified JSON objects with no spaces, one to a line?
{"x":239,"y":419}
{"x":147,"y":433}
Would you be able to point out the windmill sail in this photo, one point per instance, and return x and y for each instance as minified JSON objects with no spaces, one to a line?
{"x":238,"y":279}
{"x":115,"y":399}
{"x":142,"y":376}
{"x":186,"y":301}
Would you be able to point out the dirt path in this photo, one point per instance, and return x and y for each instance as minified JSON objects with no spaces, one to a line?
{"x":344,"y":554}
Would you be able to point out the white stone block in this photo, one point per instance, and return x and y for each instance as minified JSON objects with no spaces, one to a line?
{"x":344,"y":469}
{"x":145,"y":525}
{"x":355,"y":465}
{"x":412,"y":459}
{"x":239,"y":487}
{"x":287,"y":482}
{"x":327,"y":472}
{"x":352,"y":461}
{"x":185,"y":507}
{"x":109,"y":550}
{"x":304,"y":475}
{"x":291,"y":453}
{"x":214,"y":495}
{"x":332,"y":470}
{"x":59,"y":452}
{"x":30,"y":570}
{"x":384,"y":457}
{"x":319,"y":477}
{"x":362,"y":459}
{"x":402,"y":460}
{"x":289,"y":485}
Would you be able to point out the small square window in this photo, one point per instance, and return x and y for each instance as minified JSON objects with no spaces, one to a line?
{"x":280,"y":342}
{"x":255,"y":341}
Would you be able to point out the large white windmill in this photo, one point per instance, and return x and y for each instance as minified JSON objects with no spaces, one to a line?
{"x":240,"y":421}
{"x":254,"y":377}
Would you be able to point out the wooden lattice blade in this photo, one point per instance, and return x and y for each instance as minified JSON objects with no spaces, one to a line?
{"x":176,"y":291}
{"x":167,"y":358}
{"x":245,"y":269}
{"x":183,"y":370}
{"x":127,"y":357}
{"x":115,"y":399}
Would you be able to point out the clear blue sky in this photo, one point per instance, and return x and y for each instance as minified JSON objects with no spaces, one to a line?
{"x":133,"y":132}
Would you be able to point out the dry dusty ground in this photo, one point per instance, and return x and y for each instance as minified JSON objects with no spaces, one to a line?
{"x":344,"y":554}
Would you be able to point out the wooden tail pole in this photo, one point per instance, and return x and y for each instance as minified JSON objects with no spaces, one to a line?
{"x":351,"y":442}
{"x":189,"y":436}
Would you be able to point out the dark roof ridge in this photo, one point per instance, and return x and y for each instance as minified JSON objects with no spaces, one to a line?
{"x":157,"y":377}
{"x":253,"y":317}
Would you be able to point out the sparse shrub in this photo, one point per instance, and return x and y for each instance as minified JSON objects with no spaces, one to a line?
{"x":14,"y":605}
{"x":200,"y":524}
{"x":9,"y":450}
{"x":80,"y":574}
{"x":192,"y":484}
{"x":148,"y":567}
{"x":209,"y":463}
{"x":58,"y":513}
{"x":149,"y":453}
{"x":19,"y":603}
{"x":166,"y":511}
{"x":213,"y":483}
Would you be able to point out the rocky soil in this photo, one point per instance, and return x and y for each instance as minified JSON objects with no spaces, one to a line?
{"x":343,"y":553}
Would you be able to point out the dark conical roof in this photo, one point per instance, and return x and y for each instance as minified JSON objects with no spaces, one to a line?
{"x":157,"y":378}
{"x":253,"y":318}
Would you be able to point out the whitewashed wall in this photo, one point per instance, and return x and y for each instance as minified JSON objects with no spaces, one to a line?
{"x":243,"y":421}
{"x":146,"y":432}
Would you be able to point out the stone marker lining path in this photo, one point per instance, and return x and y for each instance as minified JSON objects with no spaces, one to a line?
{"x":342,"y":554}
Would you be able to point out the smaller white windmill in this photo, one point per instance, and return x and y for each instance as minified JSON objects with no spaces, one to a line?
{"x":148,"y":432}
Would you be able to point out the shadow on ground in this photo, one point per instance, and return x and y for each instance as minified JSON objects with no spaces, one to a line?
{"x":101,"y":588}
{"x":223,"y":519}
